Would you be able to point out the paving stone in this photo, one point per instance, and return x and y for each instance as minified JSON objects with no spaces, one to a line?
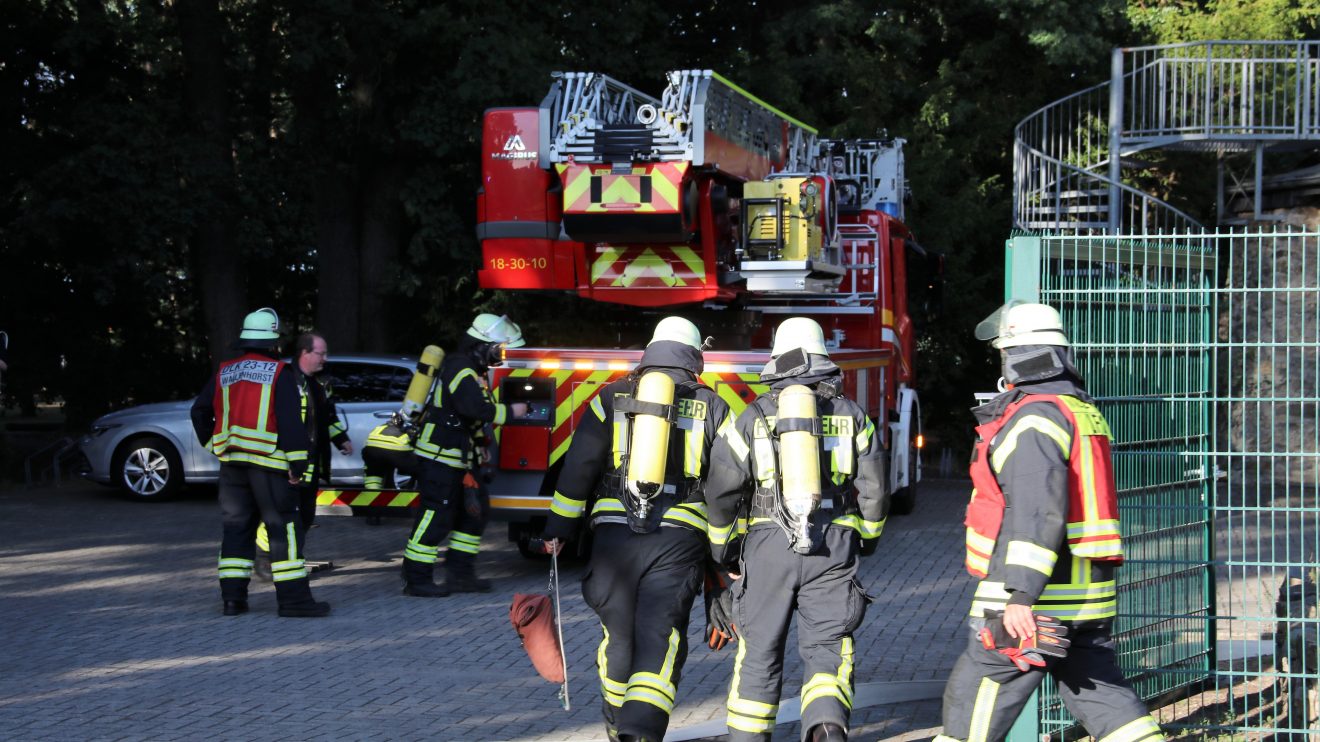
{"x":113,"y":631}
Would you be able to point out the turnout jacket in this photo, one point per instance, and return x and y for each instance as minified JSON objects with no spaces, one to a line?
{"x":323,"y":424}
{"x":852,"y":464}
{"x":289,"y":452}
{"x":1034,"y":460}
{"x":459,"y":408}
{"x":594,"y":466}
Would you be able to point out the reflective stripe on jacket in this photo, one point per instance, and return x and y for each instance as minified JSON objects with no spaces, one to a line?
{"x":459,"y":407}
{"x":1046,"y":459}
{"x":245,"y":422}
{"x":596,"y":459}
{"x":852,"y":469}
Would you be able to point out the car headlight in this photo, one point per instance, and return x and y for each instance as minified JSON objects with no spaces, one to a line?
{"x":99,"y":429}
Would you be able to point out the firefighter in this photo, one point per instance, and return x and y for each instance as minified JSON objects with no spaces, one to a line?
{"x":1043,"y":537}
{"x":323,"y":428}
{"x":811,"y":510}
{"x":389,"y":449}
{"x":634,"y":470}
{"x":263,"y":447}
{"x":447,"y":448}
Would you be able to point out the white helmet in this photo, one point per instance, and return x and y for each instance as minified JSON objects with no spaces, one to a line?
{"x":262,"y":325}
{"x":489,"y":328}
{"x":678,"y":330}
{"x":1019,"y":323}
{"x":799,"y":332}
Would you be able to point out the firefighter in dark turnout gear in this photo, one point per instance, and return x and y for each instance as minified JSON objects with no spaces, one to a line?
{"x":447,"y":449}
{"x":649,"y":540}
{"x":323,"y":428}
{"x":793,"y":560}
{"x":262,"y":446}
{"x":1043,"y":537}
{"x":389,"y":449}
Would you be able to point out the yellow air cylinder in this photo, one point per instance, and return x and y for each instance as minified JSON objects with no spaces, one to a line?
{"x":420,"y":387}
{"x":799,"y":454}
{"x":649,"y":448}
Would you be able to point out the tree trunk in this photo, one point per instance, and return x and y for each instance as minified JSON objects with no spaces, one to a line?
{"x":337,"y":223}
{"x":209,"y":174}
{"x":382,"y":221}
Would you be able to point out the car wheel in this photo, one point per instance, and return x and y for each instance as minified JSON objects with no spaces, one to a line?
{"x":148,"y":468}
{"x":904,"y":500}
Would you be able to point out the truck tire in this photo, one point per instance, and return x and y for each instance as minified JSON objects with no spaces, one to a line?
{"x":148,"y":469}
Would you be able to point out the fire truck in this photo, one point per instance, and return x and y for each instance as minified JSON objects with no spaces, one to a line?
{"x":707,"y":203}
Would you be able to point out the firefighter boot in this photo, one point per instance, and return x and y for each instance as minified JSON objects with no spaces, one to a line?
{"x":295,"y":600}
{"x":461,"y":573}
{"x":828,"y":733}
{"x":417,"y":581}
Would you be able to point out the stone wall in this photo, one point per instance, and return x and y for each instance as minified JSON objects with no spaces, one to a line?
{"x":1270,"y":371}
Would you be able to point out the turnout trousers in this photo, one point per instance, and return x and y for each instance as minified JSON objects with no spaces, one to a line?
{"x":442,"y":514}
{"x":250,"y":496}
{"x":822,"y":590}
{"x":986,"y":692}
{"x":380,"y":464}
{"x":642,"y":585}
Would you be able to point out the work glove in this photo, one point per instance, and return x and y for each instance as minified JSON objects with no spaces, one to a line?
{"x":1051,"y":640}
{"x":471,"y":495}
{"x":727,"y":556}
{"x":720,"y":629}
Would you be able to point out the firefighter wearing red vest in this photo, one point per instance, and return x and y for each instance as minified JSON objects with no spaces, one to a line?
{"x":802,"y":463}
{"x":633,"y":472}
{"x":248,"y":416}
{"x":448,"y":450}
{"x":1043,"y":537}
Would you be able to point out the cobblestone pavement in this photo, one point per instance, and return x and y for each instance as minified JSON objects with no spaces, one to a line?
{"x":113,"y":631}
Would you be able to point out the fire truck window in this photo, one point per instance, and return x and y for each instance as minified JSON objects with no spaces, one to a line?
{"x":539,"y":394}
{"x":365,"y":382}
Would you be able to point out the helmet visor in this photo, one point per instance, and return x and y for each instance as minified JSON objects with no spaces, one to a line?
{"x":991,"y":327}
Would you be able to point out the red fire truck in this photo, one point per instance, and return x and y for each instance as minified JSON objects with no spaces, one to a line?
{"x":706,"y":203}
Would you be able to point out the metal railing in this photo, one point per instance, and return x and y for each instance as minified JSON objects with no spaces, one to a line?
{"x":1215,"y":95}
{"x":34,"y":473}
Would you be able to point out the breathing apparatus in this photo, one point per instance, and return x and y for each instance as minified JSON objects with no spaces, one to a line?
{"x":651,"y":415}
{"x":423,"y":380}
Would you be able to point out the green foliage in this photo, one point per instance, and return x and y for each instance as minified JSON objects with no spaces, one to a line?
{"x":333,"y":102}
{"x":1177,"y":21}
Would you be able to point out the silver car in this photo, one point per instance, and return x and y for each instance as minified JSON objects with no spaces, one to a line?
{"x":150,"y":451}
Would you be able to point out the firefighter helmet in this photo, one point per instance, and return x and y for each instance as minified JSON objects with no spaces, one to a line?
{"x":1020,"y":323}
{"x":261,"y":327}
{"x":490,"y":328}
{"x":799,"y":332}
{"x":678,"y":330}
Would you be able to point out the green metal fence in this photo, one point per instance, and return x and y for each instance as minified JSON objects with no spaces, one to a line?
{"x":1202,"y":351}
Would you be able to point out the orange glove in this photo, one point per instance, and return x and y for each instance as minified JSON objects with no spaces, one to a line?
{"x":471,"y":495}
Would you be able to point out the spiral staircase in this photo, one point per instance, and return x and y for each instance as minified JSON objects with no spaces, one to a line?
{"x":1219,"y":97}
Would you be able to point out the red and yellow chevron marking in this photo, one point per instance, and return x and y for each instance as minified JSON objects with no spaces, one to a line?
{"x":621,"y":192}
{"x":647,"y":266}
{"x":366,"y":498}
{"x":730,"y":387}
{"x":574,"y":388}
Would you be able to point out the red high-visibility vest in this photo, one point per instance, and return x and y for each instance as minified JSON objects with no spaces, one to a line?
{"x":1092,"y":493}
{"x":245,"y":428}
